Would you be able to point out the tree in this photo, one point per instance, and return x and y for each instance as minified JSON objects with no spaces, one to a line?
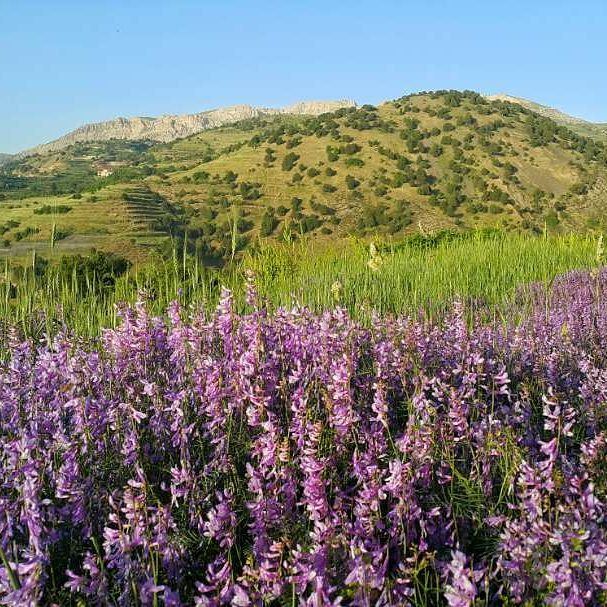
{"x":289,"y":161}
{"x":332,"y":154}
{"x":351,"y":182}
{"x":268,"y":223}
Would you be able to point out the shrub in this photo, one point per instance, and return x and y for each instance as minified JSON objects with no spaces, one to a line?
{"x":47,"y":209}
{"x":308,"y":223}
{"x":332,"y":153}
{"x":289,"y":161}
{"x":97,"y":270}
{"x":323,"y":209}
{"x":351,"y":182}
{"x":200,"y":177}
{"x":350,"y":148}
{"x":268,"y":223}
{"x":293,"y":143}
{"x":25,"y":233}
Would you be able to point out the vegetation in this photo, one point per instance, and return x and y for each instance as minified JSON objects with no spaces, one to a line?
{"x":350,"y":373}
{"x":48,"y":209}
{"x":252,"y":458}
{"x":459,"y":162}
{"x":482,"y":269}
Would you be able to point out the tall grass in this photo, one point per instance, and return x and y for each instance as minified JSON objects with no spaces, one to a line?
{"x":422,"y":273}
{"x":481,"y":269}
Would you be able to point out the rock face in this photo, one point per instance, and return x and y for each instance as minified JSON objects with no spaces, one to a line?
{"x":168,"y":128}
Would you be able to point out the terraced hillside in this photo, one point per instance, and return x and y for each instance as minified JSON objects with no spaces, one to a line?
{"x":442,"y":160}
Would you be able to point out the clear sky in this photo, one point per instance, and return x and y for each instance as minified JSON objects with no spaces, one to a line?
{"x":65,"y":63}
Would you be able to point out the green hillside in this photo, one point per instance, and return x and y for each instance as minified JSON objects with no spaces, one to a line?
{"x":425,"y":162}
{"x":595,"y":130}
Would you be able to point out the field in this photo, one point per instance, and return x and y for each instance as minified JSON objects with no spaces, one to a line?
{"x":424,"y":273}
{"x":349,"y":360}
{"x":275,"y":457}
{"x":412,"y":424}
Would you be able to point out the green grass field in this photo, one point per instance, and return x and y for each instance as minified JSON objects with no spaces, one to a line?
{"x":483,"y":270}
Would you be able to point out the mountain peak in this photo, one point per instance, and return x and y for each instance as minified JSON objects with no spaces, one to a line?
{"x":169,"y":127}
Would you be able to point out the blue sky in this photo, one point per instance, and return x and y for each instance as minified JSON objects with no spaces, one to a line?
{"x":66,"y":63}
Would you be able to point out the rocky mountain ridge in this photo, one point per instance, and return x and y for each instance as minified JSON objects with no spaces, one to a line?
{"x":583,"y":127}
{"x":170,"y":127}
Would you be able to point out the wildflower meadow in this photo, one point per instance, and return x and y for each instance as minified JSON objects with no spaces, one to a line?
{"x":294,"y":457}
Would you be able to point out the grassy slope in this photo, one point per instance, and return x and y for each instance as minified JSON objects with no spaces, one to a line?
{"x":467,"y":170}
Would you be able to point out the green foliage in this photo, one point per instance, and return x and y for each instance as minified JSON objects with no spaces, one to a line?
{"x":542,"y":131}
{"x":230,"y":177}
{"x":98,"y":270}
{"x":268,"y":223}
{"x":456,"y":157}
{"x":293,"y":143}
{"x":351,"y":182}
{"x":552,"y":219}
{"x":332,"y":153}
{"x":8,"y":225}
{"x":250,"y":191}
{"x":270,"y":156}
{"x":208,"y":213}
{"x":372,"y":217}
{"x":48,"y":209}
{"x":289,"y":161}
{"x":579,"y":189}
{"x":426,"y":271}
{"x":26,"y":233}
{"x":323,"y":209}
{"x":308,"y":223}
{"x":349,"y":149}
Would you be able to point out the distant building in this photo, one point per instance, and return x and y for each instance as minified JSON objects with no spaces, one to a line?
{"x":104,"y":170}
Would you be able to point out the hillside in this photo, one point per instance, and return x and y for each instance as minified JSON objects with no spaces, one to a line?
{"x":577,"y":125}
{"x":171,"y":127}
{"x":430,"y":161}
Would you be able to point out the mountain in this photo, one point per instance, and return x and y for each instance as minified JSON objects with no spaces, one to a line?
{"x":582,"y":127}
{"x":429,"y":161}
{"x":170,"y":127}
{"x":5,"y":158}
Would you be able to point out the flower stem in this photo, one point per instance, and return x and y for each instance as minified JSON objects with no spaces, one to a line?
{"x":12,"y":576}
